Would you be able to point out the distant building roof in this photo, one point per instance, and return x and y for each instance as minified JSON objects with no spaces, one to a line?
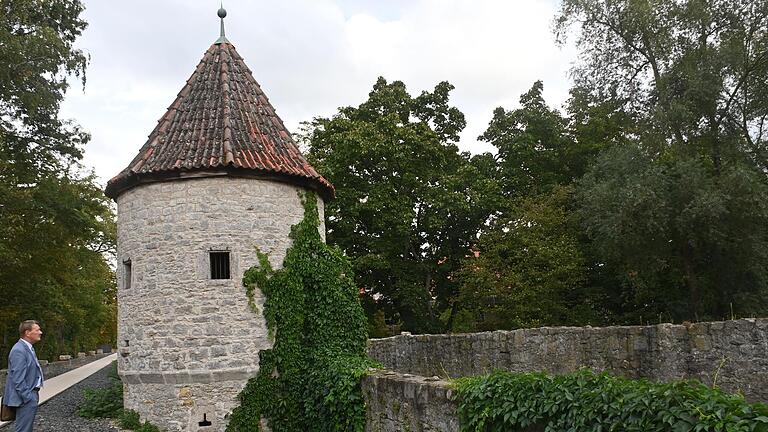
{"x":221,"y":123}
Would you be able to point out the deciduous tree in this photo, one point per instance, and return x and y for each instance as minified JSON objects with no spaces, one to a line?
{"x":529,"y":271}
{"x":55,"y":224}
{"x":683,"y":242}
{"x":693,"y":72}
{"x":409,"y":205}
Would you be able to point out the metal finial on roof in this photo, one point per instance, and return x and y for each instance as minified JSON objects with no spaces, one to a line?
{"x":222,"y":13}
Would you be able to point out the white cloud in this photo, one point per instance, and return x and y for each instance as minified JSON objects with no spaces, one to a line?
{"x":311,"y":57}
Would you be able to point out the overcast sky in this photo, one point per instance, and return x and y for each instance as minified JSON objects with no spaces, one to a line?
{"x":311,"y":57}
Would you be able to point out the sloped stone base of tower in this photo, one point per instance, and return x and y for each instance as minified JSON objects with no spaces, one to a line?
{"x":185,"y":407}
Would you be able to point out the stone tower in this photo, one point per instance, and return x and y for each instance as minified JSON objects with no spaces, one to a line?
{"x":218,"y":177}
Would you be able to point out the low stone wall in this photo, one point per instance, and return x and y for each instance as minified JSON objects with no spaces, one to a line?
{"x":52,"y":369}
{"x":735,"y":353}
{"x":398,"y":402}
{"x":403,"y":402}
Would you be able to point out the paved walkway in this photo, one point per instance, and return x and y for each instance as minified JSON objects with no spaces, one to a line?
{"x":58,"y":384}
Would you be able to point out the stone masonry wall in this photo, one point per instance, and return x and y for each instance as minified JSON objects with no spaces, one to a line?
{"x":182,"y":407}
{"x":398,"y":402}
{"x":734,"y":351}
{"x":188,"y":343}
{"x":403,"y":402}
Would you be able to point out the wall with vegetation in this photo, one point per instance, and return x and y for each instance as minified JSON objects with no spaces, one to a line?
{"x":731,"y":354}
{"x":188,"y":343}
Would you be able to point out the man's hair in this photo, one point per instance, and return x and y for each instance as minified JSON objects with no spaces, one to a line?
{"x":26,"y":326}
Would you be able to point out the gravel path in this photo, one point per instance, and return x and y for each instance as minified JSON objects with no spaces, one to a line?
{"x":59,"y":413}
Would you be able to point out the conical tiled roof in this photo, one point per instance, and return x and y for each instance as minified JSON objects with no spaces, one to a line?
{"x":220,"y":123}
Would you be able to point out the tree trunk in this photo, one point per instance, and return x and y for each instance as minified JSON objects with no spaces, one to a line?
{"x":714,"y":137}
{"x":691,"y":281}
{"x":661,"y":88}
{"x":427,"y":288}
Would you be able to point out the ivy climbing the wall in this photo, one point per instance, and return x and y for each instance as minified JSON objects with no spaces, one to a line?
{"x":585,"y":401}
{"x":310,"y":379}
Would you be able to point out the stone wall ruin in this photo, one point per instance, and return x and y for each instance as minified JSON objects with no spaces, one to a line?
{"x":735,"y":353}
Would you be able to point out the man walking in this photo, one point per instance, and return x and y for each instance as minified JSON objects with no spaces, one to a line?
{"x":25,"y":376}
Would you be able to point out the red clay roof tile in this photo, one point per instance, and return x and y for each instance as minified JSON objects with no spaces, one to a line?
{"x":221,"y":120}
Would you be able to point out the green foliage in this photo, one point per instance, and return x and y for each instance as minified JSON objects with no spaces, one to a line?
{"x":129,"y":419}
{"x":530,"y":268}
{"x":674,"y":213}
{"x":584,"y":401}
{"x":108,"y":403}
{"x":596,"y":123}
{"x":105,"y":402}
{"x":377,"y":326}
{"x":529,"y":272}
{"x":53,"y":239}
{"x":310,"y":379}
{"x":37,"y":59}
{"x":682,"y":241}
{"x":693,"y":73}
{"x":147,"y":427}
{"x":658,"y":228}
{"x":409,"y":205}
{"x":55,"y":223}
{"x":533,"y":147}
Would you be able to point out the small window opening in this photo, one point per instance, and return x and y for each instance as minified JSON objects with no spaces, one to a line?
{"x":220,"y":265}
{"x":205,"y":421}
{"x":127,"y":274}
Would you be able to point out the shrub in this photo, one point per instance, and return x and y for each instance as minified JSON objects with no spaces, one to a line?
{"x":585,"y":401}
{"x":106,"y":402}
{"x":129,"y":419}
{"x":147,"y":427}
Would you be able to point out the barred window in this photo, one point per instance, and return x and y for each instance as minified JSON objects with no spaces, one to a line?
{"x":220,"y":265}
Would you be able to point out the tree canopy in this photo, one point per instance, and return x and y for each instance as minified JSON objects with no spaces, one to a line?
{"x":694,"y":73}
{"x":408,"y":203}
{"x":682,"y":241}
{"x":55,"y":223}
{"x":644,"y":199}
